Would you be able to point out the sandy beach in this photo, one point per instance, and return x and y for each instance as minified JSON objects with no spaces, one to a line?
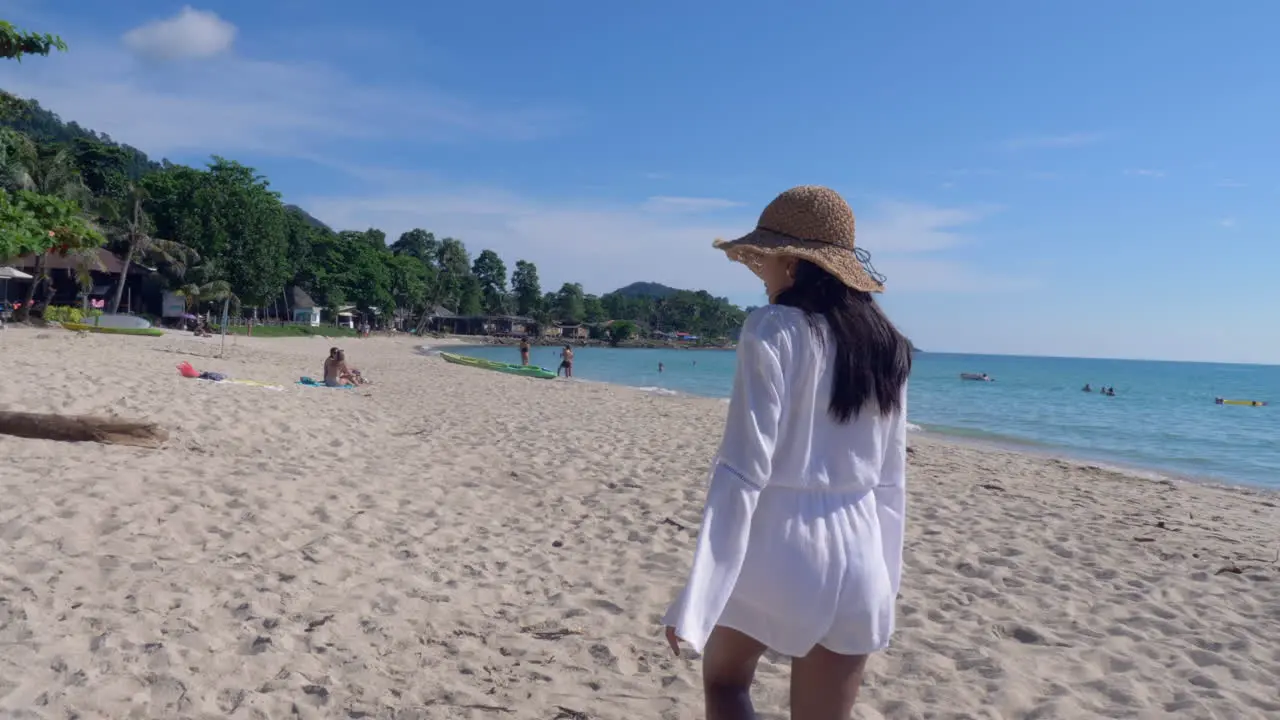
{"x":456,"y":543}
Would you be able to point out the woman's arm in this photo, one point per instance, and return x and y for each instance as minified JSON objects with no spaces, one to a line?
{"x":739,"y":472}
{"x":891,"y":494}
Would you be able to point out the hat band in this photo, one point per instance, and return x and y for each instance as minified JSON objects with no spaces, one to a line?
{"x":862,"y":255}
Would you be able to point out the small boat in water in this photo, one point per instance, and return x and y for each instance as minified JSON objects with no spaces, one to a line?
{"x":1248,"y":403}
{"x":526,"y":370}
{"x":980,"y":377}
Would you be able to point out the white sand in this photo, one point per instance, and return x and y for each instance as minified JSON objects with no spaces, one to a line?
{"x":456,"y":543}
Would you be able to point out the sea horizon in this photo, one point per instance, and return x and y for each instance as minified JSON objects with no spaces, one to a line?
{"x":920,"y":351}
{"x":1162,"y":421}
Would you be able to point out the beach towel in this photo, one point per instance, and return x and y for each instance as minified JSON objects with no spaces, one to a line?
{"x":251,"y":383}
{"x":312,"y":382}
{"x":187,"y":371}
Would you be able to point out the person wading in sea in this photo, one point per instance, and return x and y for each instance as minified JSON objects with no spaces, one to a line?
{"x":800,"y":549}
{"x":566,"y":362}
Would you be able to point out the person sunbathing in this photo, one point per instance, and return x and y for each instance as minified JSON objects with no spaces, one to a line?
{"x":336,"y":372}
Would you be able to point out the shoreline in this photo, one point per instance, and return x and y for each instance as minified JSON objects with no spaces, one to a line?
{"x":984,"y":440}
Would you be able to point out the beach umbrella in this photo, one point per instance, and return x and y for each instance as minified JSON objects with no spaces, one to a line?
{"x":7,"y":274}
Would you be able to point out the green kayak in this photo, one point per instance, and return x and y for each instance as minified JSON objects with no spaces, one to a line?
{"x":525,"y":370}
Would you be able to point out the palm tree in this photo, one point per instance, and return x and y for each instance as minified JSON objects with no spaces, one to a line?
{"x":15,"y":151}
{"x":55,"y":174}
{"x":195,"y":293}
{"x":134,"y":231}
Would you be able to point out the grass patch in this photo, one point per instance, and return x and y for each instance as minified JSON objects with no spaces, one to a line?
{"x":289,"y":331}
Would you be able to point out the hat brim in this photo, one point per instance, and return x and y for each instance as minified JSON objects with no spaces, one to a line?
{"x":751,"y":249}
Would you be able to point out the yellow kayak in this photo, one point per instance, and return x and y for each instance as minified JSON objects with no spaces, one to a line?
{"x":1250,"y":403}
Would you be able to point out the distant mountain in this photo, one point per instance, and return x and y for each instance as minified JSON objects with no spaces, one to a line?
{"x":646,"y":289}
{"x":307,"y":217}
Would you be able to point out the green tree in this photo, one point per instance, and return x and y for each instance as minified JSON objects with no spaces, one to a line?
{"x":453,"y":267}
{"x":53,"y":175}
{"x":15,"y":43}
{"x":593,"y":309}
{"x":418,"y":243}
{"x":470,"y":296}
{"x":376,"y":238}
{"x":103,"y":168}
{"x":409,"y":282}
{"x":230,"y":216}
{"x":16,"y":153}
{"x":621,"y":331}
{"x":569,"y":304}
{"x":34,"y":224}
{"x":491,"y":273}
{"x":132,"y":229}
{"x":302,"y":239}
{"x":196,"y":294}
{"x":526,"y":288}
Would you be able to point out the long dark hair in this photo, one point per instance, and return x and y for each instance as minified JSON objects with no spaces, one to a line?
{"x":872,"y":359}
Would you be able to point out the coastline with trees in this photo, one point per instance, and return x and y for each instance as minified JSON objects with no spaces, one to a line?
{"x":222,"y":233}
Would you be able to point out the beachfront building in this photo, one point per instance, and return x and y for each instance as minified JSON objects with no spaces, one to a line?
{"x":442,"y":320}
{"x":513,"y":325}
{"x":102,"y":269}
{"x":305,"y":311}
{"x":567,"y":331}
{"x":347,"y":317}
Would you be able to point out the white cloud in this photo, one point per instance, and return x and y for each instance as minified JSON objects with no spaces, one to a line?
{"x":1145,"y":172}
{"x":901,"y":228}
{"x":663,"y":204}
{"x":1227,"y":222}
{"x":227,"y":104}
{"x":189,"y":34}
{"x":606,"y":246}
{"x":1037,"y":142}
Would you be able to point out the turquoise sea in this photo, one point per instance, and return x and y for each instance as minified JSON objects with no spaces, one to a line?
{"x":1162,"y":417}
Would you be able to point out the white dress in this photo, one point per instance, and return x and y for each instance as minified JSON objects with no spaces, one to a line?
{"x":801,"y":538}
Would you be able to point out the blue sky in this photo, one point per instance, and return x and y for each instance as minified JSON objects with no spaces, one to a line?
{"x":1086,"y":178}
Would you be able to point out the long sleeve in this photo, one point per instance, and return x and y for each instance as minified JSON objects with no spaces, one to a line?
{"x":739,"y":472}
{"x":891,"y":494}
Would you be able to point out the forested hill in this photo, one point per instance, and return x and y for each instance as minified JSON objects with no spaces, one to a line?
{"x":45,"y":127}
{"x":307,"y":217}
{"x":654,"y":290}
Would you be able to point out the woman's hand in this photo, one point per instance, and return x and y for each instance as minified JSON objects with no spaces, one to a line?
{"x":673,"y":641}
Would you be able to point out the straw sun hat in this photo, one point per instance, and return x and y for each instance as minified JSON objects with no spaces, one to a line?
{"x":811,"y":223}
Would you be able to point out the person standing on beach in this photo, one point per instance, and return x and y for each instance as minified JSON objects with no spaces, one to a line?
{"x":800,"y":548}
{"x":524,"y":351}
{"x":566,"y":362}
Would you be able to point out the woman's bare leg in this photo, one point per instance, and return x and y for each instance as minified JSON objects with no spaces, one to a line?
{"x":824,"y":685}
{"x":728,"y":667}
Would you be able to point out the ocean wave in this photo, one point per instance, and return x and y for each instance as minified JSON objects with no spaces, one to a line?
{"x":654,"y":390}
{"x":912,"y":427}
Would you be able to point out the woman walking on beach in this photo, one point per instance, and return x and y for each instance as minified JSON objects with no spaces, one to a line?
{"x":800,"y":549}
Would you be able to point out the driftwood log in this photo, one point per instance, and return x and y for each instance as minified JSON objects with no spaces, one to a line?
{"x":82,"y":428}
